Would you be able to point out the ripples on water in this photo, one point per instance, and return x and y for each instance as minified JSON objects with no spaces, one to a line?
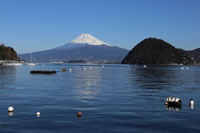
{"x":113,"y":99}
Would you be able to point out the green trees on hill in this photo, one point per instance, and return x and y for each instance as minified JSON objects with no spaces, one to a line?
{"x":7,"y":53}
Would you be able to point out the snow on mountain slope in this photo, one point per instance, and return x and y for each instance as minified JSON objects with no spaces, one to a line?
{"x":83,"y":40}
{"x":89,"y":39}
{"x":85,"y":47}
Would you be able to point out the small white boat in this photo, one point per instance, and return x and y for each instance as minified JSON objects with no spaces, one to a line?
{"x":13,"y":64}
{"x":30,"y":64}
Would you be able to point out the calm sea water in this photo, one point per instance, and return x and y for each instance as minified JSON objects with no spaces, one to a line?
{"x":113,"y":99}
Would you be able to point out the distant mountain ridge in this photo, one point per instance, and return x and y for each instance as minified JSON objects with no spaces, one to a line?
{"x":156,"y":51}
{"x":85,"y":47}
{"x":90,"y":49}
{"x":195,"y":54}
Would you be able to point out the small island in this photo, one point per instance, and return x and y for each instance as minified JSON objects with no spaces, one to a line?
{"x":158,"y":52}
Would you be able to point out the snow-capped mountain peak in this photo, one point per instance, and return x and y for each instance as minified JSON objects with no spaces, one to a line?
{"x":83,"y":40}
{"x":88,"y":39}
{"x":85,"y":47}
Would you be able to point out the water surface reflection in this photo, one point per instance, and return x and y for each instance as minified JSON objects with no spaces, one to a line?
{"x":87,"y":83}
{"x":8,"y":76}
{"x":155,"y":77}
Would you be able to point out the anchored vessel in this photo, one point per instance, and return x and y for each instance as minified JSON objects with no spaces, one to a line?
{"x":42,"y":72}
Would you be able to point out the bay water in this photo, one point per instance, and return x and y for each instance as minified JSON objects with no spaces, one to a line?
{"x":112,"y":98}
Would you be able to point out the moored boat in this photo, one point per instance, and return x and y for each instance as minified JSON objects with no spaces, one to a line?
{"x":42,"y":72}
{"x":12,"y":64}
{"x":30,"y":64}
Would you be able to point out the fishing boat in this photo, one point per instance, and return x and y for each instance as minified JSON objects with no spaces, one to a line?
{"x":42,"y":72}
{"x":13,"y":64}
{"x":31,"y":63}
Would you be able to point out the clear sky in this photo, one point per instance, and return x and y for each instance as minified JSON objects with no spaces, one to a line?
{"x":34,"y":25}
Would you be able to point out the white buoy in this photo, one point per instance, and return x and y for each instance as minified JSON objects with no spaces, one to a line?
{"x":173,"y":99}
{"x":170,"y":99}
{"x":177,"y":100}
{"x":38,"y":114}
{"x":145,"y":66}
{"x":187,"y":68}
{"x":10,"y":109}
{"x":70,"y":70}
{"x":191,"y":102}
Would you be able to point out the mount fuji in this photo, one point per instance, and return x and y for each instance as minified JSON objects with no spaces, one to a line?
{"x":85,"y":47}
{"x":83,"y":40}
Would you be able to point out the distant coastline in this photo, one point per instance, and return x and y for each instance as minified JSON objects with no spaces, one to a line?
{"x":150,"y":51}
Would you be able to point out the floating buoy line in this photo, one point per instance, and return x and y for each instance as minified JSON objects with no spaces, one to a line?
{"x":11,"y":112}
{"x":175,"y":103}
{"x":58,"y":70}
{"x":171,"y":103}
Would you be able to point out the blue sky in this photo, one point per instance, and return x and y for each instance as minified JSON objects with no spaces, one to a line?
{"x":34,"y":25}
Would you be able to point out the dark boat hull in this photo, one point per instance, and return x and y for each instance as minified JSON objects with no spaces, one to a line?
{"x":42,"y":72}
